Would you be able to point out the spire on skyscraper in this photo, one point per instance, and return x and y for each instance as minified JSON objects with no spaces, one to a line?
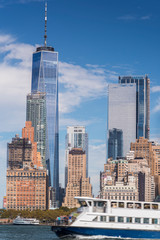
{"x":45,"y":35}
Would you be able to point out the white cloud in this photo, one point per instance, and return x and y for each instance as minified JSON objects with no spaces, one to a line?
{"x":157,"y":106}
{"x":82,"y":83}
{"x":131,"y":17}
{"x":155,"y":89}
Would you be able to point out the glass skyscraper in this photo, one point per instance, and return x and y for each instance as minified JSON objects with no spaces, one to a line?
{"x":36,"y":113}
{"x":76,"y":138}
{"x":45,"y":80}
{"x":115,"y":143}
{"x":122,"y":114}
{"x":142,"y":103}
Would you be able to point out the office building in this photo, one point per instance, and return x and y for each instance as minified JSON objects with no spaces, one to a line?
{"x":36,"y":113}
{"x":27,"y":189}
{"x":28,"y":133}
{"x":142,"y":103}
{"x":122,"y":115}
{"x":115,"y":143}
{"x":45,"y":80}
{"x":76,"y":137}
{"x":78,"y":184}
{"x":19,"y":151}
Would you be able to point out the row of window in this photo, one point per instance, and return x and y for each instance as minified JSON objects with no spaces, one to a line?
{"x":128,"y":220}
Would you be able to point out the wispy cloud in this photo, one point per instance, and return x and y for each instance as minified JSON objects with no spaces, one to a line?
{"x":4,"y":3}
{"x":131,"y":17}
{"x":155,"y":89}
{"x":157,"y":106}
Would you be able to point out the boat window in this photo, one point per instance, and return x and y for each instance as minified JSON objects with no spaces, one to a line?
{"x":120,"y":219}
{"x":121,"y":204}
{"x":90,"y":203}
{"x":100,"y":204}
{"x":94,"y":204}
{"x":114,"y":204}
{"x":129,"y":205}
{"x":154,"y":221}
{"x":146,"y":206}
{"x":137,"y":205}
{"x":146,"y":220}
{"x":137,"y":220}
{"x":111,"y":219}
{"x":129,"y":220}
{"x":83,"y":203}
{"x":155,"y":206}
{"x":103,"y":218}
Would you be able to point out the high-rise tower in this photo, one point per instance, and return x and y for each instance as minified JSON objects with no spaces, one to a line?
{"x":142,"y":103}
{"x":45,"y":80}
{"x":121,"y":116}
{"x":76,"y":137}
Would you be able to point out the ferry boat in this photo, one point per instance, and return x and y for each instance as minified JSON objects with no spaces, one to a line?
{"x":114,"y":218}
{"x":25,"y":221}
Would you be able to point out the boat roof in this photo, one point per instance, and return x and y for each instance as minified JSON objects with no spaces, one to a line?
{"x":112,"y":200}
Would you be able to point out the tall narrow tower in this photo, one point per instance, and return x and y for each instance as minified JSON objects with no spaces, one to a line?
{"x":45,"y":80}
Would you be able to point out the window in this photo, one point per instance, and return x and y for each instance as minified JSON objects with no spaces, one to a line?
{"x":146,"y":206}
{"x":103,"y":218}
{"x":120,"y":219}
{"x":111,"y":219}
{"x":146,"y":220}
{"x":130,"y":205}
{"x":154,"y":206}
{"x":121,"y":204}
{"x":129,"y":220}
{"x":137,"y":220}
{"x":154,"y":221}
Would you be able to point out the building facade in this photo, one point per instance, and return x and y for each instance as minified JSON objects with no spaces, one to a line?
{"x":19,"y":150}
{"x":115,"y":143}
{"x":122,"y":113}
{"x":26,"y":189}
{"x":45,"y":80}
{"x":142,"y":103}
{"x":28,"y":133}
{"x":78,"y":184}
{"x":36,"y":113}
{"x":76,"y":137}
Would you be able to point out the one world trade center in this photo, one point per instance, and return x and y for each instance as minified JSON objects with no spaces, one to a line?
{"x":45,"y":80}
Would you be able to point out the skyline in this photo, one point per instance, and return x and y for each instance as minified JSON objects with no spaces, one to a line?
{"x":89,"y":60}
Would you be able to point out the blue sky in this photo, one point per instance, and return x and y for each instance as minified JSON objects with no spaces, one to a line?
{"x":97,"y":41}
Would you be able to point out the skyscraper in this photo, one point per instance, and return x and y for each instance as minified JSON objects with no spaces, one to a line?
{"x":45,"y":80}
{"x":115,"y":143}
{"x":122,"y":113}
{"x":76,"y":138}
{"x":142,"y":103}
{"x":36,"y":113}
{"x":78,"y":184}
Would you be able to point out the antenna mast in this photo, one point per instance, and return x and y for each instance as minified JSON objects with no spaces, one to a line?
{"x":45,"y":35}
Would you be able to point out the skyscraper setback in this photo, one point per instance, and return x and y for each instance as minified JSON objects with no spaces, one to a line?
{"x":45,"y":80}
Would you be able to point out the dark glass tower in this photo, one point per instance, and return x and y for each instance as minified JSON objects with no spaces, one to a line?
{"x":142,"y":103}
{"x":115,"y":143}
{"x":45,"y":80}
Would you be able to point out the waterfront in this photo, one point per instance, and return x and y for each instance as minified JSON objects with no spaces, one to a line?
{"x":12,"y":232}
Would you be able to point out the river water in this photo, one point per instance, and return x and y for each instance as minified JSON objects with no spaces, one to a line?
{"x":13,"y":232}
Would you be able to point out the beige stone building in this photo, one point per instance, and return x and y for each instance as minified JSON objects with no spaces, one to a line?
{"x":127,"y":180}
{"x":121,"y":191}
{"x":78,"y":184}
